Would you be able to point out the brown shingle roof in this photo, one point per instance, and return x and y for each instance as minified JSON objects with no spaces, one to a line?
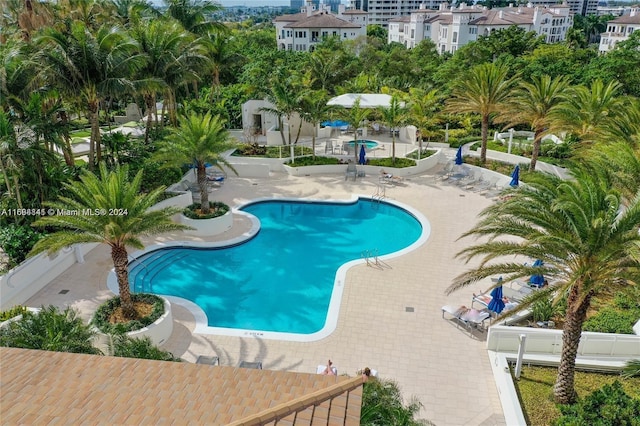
{"x":627,"y":19}
{"x":322,"y":21}
{"x":40,"y":387}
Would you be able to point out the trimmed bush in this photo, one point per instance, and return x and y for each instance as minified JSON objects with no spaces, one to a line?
{"x":388,"y":162}
{"x":310,"y":161}
{"x":16,"y":241}
{"x":611,"y":320}
{"x":104,"y":311}
{"x":217,"y":209}
{"x":143,"y":348}
{"x":426,"y":152}
{"x":609,"y":405}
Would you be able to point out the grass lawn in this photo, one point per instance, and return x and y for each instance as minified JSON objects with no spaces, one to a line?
{"x":80,"y":133}
{"x":535,"y":389}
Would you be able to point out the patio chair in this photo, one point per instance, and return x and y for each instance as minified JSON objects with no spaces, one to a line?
{"x":470,"y":318}
{"x":328,"y":147}
{"x":444,"y":173}
{"x":352,"y":170}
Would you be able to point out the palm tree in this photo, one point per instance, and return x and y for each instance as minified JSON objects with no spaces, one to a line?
{"x":356,"y":116}
{"x":88,"y":66}
{"x":198,"y":140}
{"x":580,"y":232}
{"x":395,"y":115}
{"x":531,"y":103}
{"x":50,"y":330}
{"x":423,"y":109}
{"x":587,"y":111}
{"x":107,"y":209}
{"x":315,"y":110}
{"x":193,"y":15}
{"x":483,"y":91}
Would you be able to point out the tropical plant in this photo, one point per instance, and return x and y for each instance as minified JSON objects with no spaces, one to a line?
{"x":314,"y":109}
{"x":87,"y":66}
{"x":395,"y":116}
{"x":17,"y":240}
{"x":197,"y":141}
{"x":356,"y":117}
{"x":124,"y":346}
{"x":587,"y":111}
{"x":484,"y":90}
{"x":631,"y":369}
{"x":13,"y":312}
{"x":423,"y":112}
{"x":107,"y":209}
{"x":577,"y":228}
{"x":531,"y":103}
{"x":103,"y":321}
{"x":194,"y":15}
{"x":50,"y":330}
{"x":609,"y":405}
{"x":383,"y":404}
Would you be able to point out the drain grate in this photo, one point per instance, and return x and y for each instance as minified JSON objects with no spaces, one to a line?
{"x":63,"y":291}
{"x":409,"y":309}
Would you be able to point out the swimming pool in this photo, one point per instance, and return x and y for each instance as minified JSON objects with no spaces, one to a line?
{"x":367,"y":143}
{"x":286,"y":281}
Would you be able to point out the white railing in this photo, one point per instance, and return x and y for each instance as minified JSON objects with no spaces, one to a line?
{"x":549,"y":342}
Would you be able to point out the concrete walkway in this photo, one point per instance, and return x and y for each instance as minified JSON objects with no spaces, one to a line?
{"x":442,"y":365}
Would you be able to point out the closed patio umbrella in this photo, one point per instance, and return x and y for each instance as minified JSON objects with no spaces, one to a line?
{"x":537,"y":280}
{"x":496,"y":304}
{"x":459,"y":159}
{"x":515,"y":176}
{"x":362,"y":159}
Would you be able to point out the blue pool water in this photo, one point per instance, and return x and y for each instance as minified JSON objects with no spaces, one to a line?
{"x":282,"y":279}
{"x":369,"y":144}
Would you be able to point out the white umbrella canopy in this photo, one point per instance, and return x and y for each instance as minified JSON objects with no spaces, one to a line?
{"x":367,"y":100}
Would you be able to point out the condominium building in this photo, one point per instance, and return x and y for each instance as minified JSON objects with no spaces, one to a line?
{"x":620,"y":29}
{"x":577,"y":7}
{"x":303,"y":31}
{"x":452,"y":28}
{"x":334,"y":5}
{"x":382,"y":11}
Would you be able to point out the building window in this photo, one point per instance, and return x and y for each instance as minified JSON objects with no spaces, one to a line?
{"x":455,"y":37}
{"x":413,"y":33}
{"x":289,"y":46}
{"x":427,"y":28}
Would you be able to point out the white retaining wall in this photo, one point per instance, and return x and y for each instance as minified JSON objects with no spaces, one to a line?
{"x":32,"y":275}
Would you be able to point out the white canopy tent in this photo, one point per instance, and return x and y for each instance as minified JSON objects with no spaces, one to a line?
{"x":367,"y":100}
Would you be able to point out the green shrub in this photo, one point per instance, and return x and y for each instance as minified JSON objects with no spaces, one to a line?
{"x":543,"y":310}
{"x":17,"y":240}
{"x":311,"y":161}
{"x":104,"y":311}
{"x":631,"y":369}
{"x":279,"y":151}
{"x":628,"y":299}
{"x":382,"y":404}
{"x":609,"y":405}
{"x":50,"y":330}
{"x":143,"y":348}
{"x":13,"y":312}
{"x":388,"y":162}
{"x":426,"y":152}
{"x":217,"y":209}
{"x":611,"y":320}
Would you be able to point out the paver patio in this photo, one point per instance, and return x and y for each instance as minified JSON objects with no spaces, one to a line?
{"x":445,"y":368}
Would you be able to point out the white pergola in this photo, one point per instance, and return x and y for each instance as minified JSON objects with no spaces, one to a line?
{"x":367,"y":100}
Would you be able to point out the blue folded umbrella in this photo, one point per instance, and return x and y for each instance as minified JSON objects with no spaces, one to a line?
{"x":537,"y":280}
{"x":496,"y":304}
{"x":515,"y":176}
{"x":362,"y":159}
{"x":459,"y":159}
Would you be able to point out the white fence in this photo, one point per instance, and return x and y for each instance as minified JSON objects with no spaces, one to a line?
{"x":549,"y":342}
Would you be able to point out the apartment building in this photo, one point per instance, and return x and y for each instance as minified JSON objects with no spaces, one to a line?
{"x":452,"y":28}
{"x":382,"y":11}
{"x":620,"y":29}
{"x":303,"y":31}
{"x":577,"y":7}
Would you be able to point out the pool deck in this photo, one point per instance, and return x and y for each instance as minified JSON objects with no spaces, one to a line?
{"x":441,"y":364}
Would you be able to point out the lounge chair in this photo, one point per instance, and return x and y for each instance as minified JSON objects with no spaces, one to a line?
{"x":352,"y":170}
{"x":444,"y":173}
{"x":470,"y":318}
{"x":322,"y":368}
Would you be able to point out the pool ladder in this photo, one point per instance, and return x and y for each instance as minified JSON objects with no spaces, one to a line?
{"x":381,"y":192}
{"x":372,"y":259}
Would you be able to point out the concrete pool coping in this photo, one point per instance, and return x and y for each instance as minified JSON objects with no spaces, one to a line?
{"x":333,"y":311}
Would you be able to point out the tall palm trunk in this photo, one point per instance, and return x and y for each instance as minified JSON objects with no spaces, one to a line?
{"x":94,"y":143}
{"x":5,"y":176}
{"x":564,"y":390}
{"x":149,"y":103}
{"x":216,"y":79}
{"x":66,"y":140}
{"x":393,"y":148}
{"x":485,"y":132}
{"x":121,"y":263}
{"x":537,"y":142}
{"x":204,"y":191}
